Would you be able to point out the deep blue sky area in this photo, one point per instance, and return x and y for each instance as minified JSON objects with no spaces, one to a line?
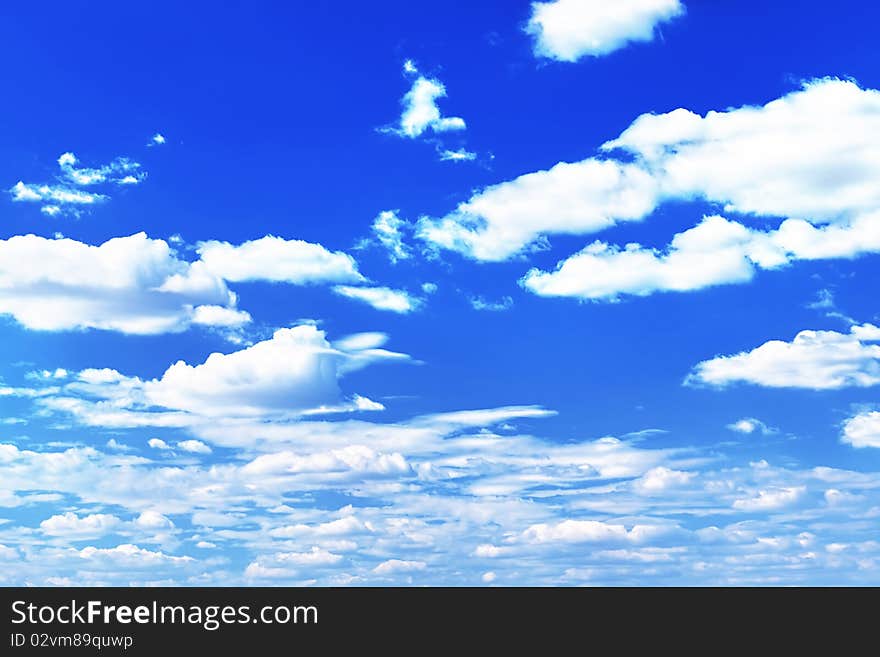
{"x":278,"y":119}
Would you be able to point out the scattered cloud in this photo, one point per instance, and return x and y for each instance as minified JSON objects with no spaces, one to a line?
{"x":157,"y":139}
{"x":816,"y":360}
{"x":479,"y":303}
{"x":721,"y":157}
{"x":862,"y":430}
{"x":750,"y":425}
{"x":381,"y":298}
{"x":66,"y":196}
{"x":566,"y":30}
{"x":388,"y":230}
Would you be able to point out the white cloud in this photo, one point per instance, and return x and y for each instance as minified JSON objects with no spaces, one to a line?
{"x":817,"y":360}
{"x":130,"y":284}
{"x":660,"y":479}
{"x":381,"y":298}
{"x":194,"y":447}
{"x":72,"y":526}
{"x":158,"y":443}
{"x":779,"y":160}
{"x":65,"y":197}
{"x":140,"y":285}
{"x":275,"y":259}
{"x":583,"y":531}
{"x":771,"y":500}
{"x":393,"y":566}
{"x":750,"y":425}
{"x":420,"y":110}
{"x":157,"y":139}
{"x":457,"y":155}
{"x":388,"y":231}
{"x":499,"y":221}
{"x":715,"y":252}
{"x":862,"y":430}
{"x":153,"y":520}
{"x":567,"y":30}
{"x":294,"y":372}
{"x":479,"y":303}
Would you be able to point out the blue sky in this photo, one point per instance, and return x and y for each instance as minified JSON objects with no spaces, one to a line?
{"x":553,"y":293}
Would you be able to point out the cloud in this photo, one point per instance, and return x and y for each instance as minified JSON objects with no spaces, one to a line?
{"x":750,"y":425}
{"x":158,"y":443}
{"x":69,"y":525}
{"x":381,"y":298}
{"x":567,"y":30}
{"x":771,"y":500}
{"x":295,"y":372}
{"x":715,"y":252}
{"x":862,"y":430}
{"x":140,"y":285}
{"x":157,"y":139}
{"x":393,"y":566}
{"x":388,"y":230}
{"x":816,"y":360}
{"x":457,"y":155}
{"x":479,"y":303}
{"x":194,"y":447}
{"x":780,"y":160}
{"x":65,"y":196}
{"x":420,"y":110}
{"x":275,"y":259}
{"x":129,"y":284}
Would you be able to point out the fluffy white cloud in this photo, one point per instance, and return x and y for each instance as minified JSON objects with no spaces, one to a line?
{"x":295,"y":372}
{"x":750,"y":425}
{"x":381,"y":298}
{"x":130,"y":284}
{"x":863,"y":430}
{"x":717,"y":251}
{"x":567,"y":30}
{"x":72,"y":526}
{"x":275,"y":259}
{"x":771,"y":500}
{"x":817,"y":360}
{"x":140,"y":285}
{"x":194,"y":447}
{"x":420,"y":110}
{"x":584,"y":197}
{"x":782,"y":160}
{"x":393,"y":566}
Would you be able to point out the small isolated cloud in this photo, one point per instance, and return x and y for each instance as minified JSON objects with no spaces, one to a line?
{"x":381,"y":298}
{"x":816,"y":360}
{"x":504,"y":303}
{"x":158,"y":443}
{"x":421,"y":114}
{"x":750,"y":425}
{"x":193,"y":447}
{"x":393,"y":566}
{"x":566,"y":30}
{"x":66,"y":195}
{"x":157,"y":139}
{"x":458,"y":155}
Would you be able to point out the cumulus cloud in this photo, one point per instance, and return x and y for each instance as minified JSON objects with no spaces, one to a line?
{"x":750,"y":425}
{"x":817,"y":360}
{"x":381,"y":298}
{"x":69,"y":525}
{"x":780,"y":160}
{"x":567,"y":30}
{"x":420,"y":110}
{"x":140,"y":285}
{"x":771,"y":500}
{"x":130,"y":284}
{"x":295,"y":372}
{"x":276,"y":259}
{"x":862,"y":430}
{"x":715,"y":252}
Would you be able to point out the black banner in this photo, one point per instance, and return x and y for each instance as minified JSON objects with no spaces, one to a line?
{"x":407,"y":620}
